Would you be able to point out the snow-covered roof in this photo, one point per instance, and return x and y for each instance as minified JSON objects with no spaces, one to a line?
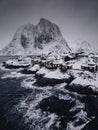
{"x":89,"y":65}
{"x":84,"y":81}
{"x":61,"y":61}
{"x":96,"y":56}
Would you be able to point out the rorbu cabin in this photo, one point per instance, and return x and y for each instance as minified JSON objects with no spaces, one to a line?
{"x":90,"y":64}
{"x":48,"y":66}
{"x":89,"y":67}
{"x":95,"y":57}
{"x":69,"y":67}
{"x":35,"y":62}
{"x":97,"y":67}
{"x":68,"y":58}
{"x":42,"y":63}
{"x":64,"y":68}
{"x":55,"y":66}
{"x":51,"y":66}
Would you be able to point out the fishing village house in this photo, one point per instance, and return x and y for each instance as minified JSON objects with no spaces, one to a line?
{"x":90,"y":64}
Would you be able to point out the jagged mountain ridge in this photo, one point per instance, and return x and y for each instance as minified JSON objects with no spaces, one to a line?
{"x":45,"y":37}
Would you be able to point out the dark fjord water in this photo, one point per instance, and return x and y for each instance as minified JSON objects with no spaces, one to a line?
{"x":18,"y":111}
{"x":10,"y":94}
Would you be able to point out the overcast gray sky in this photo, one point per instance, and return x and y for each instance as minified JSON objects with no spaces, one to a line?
{"x":76,"y":18}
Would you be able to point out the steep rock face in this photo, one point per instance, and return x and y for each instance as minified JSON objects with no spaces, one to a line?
{"x":48,"y":28}
{"x":45,"y":37}
{"x":15,"y":46}
{"x":27,"y":37}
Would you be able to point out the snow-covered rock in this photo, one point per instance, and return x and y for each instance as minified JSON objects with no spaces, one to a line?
{"x":45,"y":37}
{"x":31,"y":70}
{"x":34,"y":68}
{"x":57,"y":74}
{"x":15,"y":63}
{"x":85,"y":83}
{"x":43,"y":71}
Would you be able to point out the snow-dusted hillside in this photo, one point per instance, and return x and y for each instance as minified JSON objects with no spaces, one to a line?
{"x":80,"y":46}
{"x":45,"y":37}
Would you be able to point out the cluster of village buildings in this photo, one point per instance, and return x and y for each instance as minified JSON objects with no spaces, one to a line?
{"x":50,"y":65}
{"x":91,"y":64}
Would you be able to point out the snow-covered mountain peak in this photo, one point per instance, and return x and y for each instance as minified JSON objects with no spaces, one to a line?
{"x":83,"y":43}
{"x":30,"y":39}
{"x":46,"y":27}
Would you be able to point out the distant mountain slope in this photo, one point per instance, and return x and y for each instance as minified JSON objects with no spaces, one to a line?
{"x":82,"y":46}
{"x":45,"y":37}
